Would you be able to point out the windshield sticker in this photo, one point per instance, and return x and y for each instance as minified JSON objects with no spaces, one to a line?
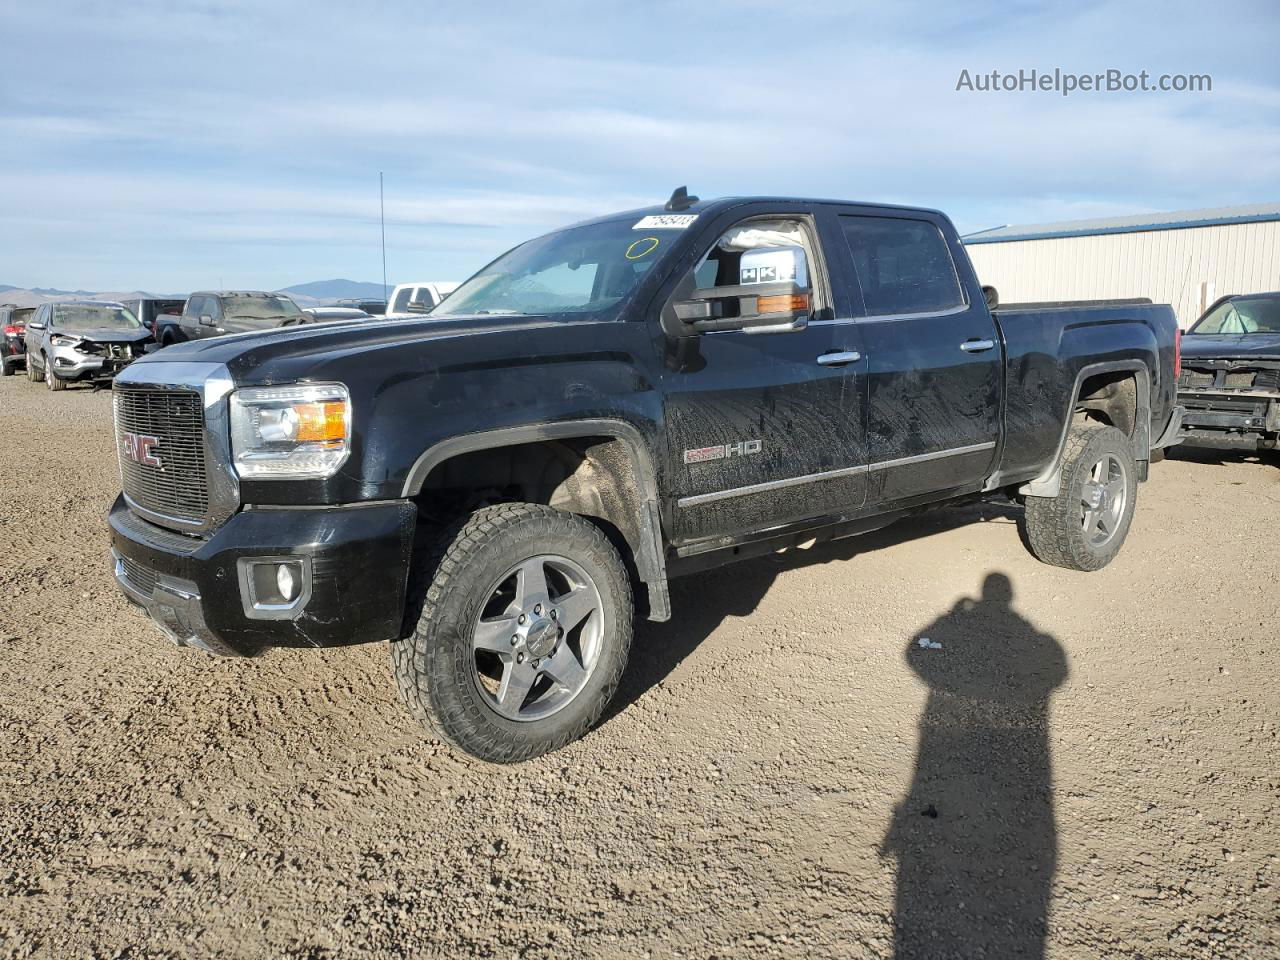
{"x":666,"y":221}
{"x":641,"y":248}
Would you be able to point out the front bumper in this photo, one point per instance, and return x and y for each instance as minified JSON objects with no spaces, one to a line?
{"x":1248,"y":419}
{"x":70,"y":364}
{"x":356,"y":558}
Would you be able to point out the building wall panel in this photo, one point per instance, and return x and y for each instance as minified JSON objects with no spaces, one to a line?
{"x":1185,"y":268}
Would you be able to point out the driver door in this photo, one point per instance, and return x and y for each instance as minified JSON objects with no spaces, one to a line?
{"x":764,"y":424}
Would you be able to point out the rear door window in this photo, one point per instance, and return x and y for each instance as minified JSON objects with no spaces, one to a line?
{"x":903,"y":266}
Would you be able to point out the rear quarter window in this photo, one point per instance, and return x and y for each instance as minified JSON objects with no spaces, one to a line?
{"x":903,"y":266}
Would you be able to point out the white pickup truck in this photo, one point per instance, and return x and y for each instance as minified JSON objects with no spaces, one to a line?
{"x":414,"y":298}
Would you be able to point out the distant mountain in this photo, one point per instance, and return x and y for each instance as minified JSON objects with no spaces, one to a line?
{"x":336,"y":290}
{"x":306,"y":294}
{"x":34,"y":296}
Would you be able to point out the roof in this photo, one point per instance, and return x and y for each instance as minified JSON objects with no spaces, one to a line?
{"x":720,"y":204}
{"x":1269,"y":295}
{"x":1172,"y":220}
{"x":239,"y":293}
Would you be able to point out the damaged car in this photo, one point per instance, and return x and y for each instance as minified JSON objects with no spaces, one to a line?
{"x":82,"y":340}
{"x":1230,"y":380}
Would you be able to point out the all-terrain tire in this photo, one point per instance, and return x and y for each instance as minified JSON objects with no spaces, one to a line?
{"x":435,"y":665}
{"x":51,"y":379}
{"x":1053,"y":527}
{"x":34,"y":375}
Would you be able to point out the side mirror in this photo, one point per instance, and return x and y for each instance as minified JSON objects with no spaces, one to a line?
{"x":206,"y":320}
{"x":36,"y":326}
{"x":992,"y":297}
{"x":758,"y":307}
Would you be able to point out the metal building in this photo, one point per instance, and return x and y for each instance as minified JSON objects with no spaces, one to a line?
{"x":1187,"y":258}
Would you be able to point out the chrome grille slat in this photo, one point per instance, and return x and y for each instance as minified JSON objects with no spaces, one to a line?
{"x":179,"y":487}
{"x":140,"y":578}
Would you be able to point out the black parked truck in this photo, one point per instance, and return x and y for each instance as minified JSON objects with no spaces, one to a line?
{"x":1230,"y":383}
{"x":498,"y":487}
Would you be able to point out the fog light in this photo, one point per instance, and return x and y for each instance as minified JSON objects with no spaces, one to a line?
{"x":274,"y":588}
{"x":286,"y":582}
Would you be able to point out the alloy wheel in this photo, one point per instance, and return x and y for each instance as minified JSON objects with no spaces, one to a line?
{"x":538,"y":638}
{"x":1103,"y":500}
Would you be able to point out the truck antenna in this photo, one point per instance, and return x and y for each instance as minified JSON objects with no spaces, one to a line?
{"x":382,"y":217}
{"x":680,"y":199}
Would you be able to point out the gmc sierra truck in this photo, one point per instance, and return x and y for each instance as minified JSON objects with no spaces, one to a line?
{"x":497,"y":488}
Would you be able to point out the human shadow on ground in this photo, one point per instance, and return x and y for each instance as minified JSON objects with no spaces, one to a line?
{"x":701,"y":602}
{"x":975,"y":838}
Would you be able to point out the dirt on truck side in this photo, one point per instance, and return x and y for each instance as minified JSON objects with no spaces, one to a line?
{"x":835,"y":753}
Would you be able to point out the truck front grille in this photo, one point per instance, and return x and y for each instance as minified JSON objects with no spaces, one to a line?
{"x":1195,"y":378}
{"x":1267,"y":379}
{"x":160,"y":441}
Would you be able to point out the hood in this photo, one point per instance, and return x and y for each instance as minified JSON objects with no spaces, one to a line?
{"x":1234,"y":346}
{"x":106,"y":335}
{"x":281,"y":354}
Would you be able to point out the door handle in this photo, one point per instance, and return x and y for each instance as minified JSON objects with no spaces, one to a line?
{"x":839,"y":359}
{"x":977,"y":346}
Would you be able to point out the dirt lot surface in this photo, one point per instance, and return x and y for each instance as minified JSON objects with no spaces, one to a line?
{"x":1086,"y":767}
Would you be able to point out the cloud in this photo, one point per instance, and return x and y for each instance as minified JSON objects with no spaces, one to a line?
{"x":157,"y":139}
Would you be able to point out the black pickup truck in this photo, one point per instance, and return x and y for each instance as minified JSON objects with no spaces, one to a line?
{"x":497,"y":487}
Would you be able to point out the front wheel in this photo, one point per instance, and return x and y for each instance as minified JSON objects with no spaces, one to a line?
{"x":34,"y":375}
{"x":524,"y":632}
{"x":51,"y":379}
{"x":1084,"y":526}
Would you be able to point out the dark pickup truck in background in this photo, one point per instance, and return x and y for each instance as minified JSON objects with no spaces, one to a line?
{"x":497,"y":487}
{"x":1230,"y":382}
{"x":212,"y":313}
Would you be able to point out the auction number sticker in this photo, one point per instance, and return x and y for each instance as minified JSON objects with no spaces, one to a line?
{"x":666,"y":221}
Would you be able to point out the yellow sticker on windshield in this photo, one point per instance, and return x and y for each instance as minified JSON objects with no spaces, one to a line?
{"x":641,"y":248}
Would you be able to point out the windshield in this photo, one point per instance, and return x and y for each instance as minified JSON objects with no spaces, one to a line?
{"x":259,"y":308}
{"x":81,"y":318}
{"x":1242,"y":317}
{"x":579,"y":270}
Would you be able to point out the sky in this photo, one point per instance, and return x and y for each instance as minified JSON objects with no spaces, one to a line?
{"x":168,"y":145}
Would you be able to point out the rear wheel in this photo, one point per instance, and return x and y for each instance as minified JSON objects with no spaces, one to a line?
{"x":51,"y":379}
{"x":1084,"y":526}
{"x":524,"y":632}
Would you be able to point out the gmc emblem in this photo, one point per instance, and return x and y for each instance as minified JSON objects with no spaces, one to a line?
{"x":140,"y":449}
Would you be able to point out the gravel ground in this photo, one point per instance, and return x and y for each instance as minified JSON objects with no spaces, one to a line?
{"x":1085,"y":767}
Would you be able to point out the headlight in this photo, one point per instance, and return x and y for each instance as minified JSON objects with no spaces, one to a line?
{"x":62,"y":340}
{"x":290,"y":433}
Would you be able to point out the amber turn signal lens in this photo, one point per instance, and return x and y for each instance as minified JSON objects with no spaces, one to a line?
{"x":785,"y":303}
{"x":321,"y":422}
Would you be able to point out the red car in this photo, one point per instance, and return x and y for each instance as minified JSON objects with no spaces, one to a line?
{"x":13,"y":349}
